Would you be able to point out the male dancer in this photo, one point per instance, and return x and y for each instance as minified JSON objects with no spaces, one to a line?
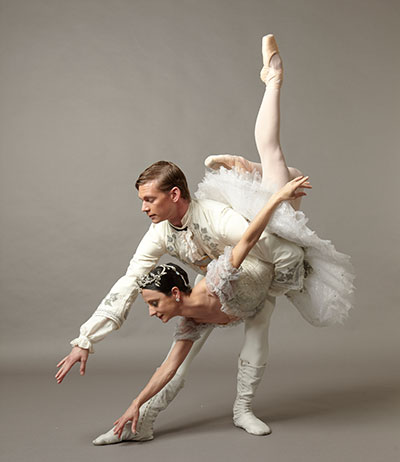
{"x":195,"y":232}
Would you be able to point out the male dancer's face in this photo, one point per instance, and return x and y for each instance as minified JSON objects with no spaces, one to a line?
{"x":158,"y":205}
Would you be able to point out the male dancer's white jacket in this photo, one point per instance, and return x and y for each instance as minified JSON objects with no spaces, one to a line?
{"x":207,"y":228}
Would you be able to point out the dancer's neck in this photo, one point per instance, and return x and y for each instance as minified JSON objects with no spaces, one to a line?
{"x":181,"y":210}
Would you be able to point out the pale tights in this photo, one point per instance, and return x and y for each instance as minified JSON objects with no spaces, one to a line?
{"x":273,"y":167}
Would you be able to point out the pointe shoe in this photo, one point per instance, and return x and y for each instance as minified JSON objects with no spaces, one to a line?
{"x":228,"y":161}
{"x":270,"y":75}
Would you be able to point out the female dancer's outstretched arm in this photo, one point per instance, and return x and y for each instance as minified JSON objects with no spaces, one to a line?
{"x":160,"y":378}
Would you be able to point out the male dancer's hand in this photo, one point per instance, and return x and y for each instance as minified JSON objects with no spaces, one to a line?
{"x":77,"y":355}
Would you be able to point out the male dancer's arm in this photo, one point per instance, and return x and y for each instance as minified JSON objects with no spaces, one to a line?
{"x":114,"y":309}
{"x":116,"y":305}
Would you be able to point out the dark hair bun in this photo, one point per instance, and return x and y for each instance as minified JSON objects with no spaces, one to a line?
{"x":164,"y":277}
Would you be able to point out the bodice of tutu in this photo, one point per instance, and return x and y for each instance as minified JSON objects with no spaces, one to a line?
{"x":242,"y":292}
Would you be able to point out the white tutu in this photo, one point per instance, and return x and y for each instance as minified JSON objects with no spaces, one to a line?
{"x":327,"y":294}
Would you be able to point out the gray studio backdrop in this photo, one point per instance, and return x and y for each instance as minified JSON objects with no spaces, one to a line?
{"x":93,"y":91}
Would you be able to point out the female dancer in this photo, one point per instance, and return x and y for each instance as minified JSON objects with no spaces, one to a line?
{"x":233,"y":289}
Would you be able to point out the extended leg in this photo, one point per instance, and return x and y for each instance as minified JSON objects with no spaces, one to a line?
{"x":252,"y":362}
{"x":275,"y":170}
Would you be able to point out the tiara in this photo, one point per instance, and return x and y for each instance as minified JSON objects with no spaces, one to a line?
{"x":152,"y":278}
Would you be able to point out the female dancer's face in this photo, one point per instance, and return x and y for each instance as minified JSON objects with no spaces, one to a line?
{"x":160,"y":305}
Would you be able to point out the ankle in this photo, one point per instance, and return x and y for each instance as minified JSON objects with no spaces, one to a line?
{"x":272,"y":77}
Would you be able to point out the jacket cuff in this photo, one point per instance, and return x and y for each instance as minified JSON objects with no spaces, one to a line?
{"x":83,"y":342}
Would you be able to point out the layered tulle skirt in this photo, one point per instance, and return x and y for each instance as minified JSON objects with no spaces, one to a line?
{"x":327,"y":293}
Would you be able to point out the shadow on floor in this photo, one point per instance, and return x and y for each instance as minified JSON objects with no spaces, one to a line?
{"x":353,"y":402}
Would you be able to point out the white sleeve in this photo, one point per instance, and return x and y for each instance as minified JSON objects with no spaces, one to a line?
{"x":92,"y":331}
{"x":287,"y":257}
{"x":114,"y":309}
{"x":187,"y":329}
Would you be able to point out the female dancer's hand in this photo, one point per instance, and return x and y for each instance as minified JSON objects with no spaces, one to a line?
{"x":132,"y":413}
{"x":290,"y":190}
{"x":77,"y":355}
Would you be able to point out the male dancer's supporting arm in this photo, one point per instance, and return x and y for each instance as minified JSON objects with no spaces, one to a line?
{"x":114,"y":309}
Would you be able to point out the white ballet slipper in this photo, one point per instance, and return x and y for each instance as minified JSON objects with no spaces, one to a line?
{"x":147,"y":416}
{"x":110,"y":438}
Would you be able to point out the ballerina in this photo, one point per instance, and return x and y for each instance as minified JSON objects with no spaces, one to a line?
{"x":235,"y":288}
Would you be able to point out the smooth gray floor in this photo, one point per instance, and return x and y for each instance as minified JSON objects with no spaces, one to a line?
{"x":320,"y":407}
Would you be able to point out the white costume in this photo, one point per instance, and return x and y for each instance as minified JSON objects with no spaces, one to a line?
{"x":327,"y":294}
{"x":207,"y":228}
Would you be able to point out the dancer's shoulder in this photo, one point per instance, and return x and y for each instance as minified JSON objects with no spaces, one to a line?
{"x":157,"y":230}
{"x":209,"y":205}
{"x":214,"y":213}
